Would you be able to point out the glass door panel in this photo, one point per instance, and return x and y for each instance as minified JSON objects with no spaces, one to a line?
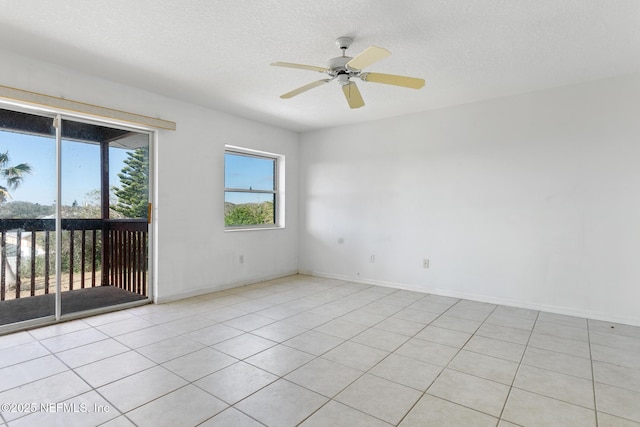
{"x":99,"y":256}
{"x":27,"y":216}
{"x":105,"y":186}
{"x":129,"y":230}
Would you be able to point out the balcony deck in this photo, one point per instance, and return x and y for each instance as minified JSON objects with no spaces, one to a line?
{"x":106,"y":265}
{"x":17,"y":310}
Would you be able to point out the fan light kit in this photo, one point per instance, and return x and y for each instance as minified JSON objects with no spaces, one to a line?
{"x":345,"y":68}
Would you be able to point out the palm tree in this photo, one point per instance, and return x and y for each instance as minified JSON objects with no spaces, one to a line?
{"x":13,"y":175}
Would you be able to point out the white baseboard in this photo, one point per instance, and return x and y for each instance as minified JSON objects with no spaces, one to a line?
{"x":569,"y":311}
{"x":221,"y":287}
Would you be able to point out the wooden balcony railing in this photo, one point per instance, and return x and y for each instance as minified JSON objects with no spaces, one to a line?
{"x":127,"y":246}
{"x":27,"y":255}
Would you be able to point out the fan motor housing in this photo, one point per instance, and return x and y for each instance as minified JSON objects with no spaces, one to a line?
{"x":338,"y":64}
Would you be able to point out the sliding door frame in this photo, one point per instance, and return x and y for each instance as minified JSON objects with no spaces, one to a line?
{"x":58,"y":117}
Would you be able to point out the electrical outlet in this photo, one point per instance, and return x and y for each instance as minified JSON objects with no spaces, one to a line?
{"x":425,"y":263}
{"x":241,"y":259}
{"x":372,"y":258}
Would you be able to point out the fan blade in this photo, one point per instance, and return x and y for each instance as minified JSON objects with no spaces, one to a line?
{"x":367,"y":57}
{"x":301,"y":66}
{"x":304,"y":88}
{"x":353,"y":96}
{"x":392,"y":79}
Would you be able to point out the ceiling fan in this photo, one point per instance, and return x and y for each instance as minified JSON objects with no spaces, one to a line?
{"x":345,"y":68}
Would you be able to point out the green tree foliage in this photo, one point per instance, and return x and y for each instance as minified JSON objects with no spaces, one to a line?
{"x":92,"y":209}
{"x":21,"y":209}
{"x":91,"y":250}
{"x":133,"y":193}
{"x":248,"y":214}
{"x":12,"y":175}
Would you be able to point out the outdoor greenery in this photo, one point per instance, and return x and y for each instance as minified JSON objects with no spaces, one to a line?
{"x":134,"y":179}
{"x":12,"y":175}
{"x":19,"y":209}
{"x":25,"y":268}
{"x":128,"y":200}
{"x":248,"y":214}
{"x":24,"y":210}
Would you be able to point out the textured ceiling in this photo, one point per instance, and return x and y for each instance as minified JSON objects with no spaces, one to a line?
{"x":217,"y":53}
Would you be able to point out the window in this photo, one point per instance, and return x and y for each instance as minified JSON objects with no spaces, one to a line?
{"x":251,"y":195}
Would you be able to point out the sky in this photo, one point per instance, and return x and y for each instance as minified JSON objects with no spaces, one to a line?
{"x":81,"y":171}
{"x":244,"y":172}
{"x":80,"y":168}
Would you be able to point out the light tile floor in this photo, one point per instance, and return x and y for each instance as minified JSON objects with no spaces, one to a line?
{"x":318,"y":352}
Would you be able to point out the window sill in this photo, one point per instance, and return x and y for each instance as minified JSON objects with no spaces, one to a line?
{"x":237,"y":229}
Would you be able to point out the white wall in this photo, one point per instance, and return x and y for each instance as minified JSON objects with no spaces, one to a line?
{"x":531,"y":200}
{"x":194,"y":254}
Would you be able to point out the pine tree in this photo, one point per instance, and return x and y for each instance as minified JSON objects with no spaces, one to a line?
{"x":133,"y":193}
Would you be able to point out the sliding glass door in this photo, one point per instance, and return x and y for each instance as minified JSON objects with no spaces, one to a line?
{"x":27,"y":216}
{"x":73,"y":218}
{"x":105,"y":196}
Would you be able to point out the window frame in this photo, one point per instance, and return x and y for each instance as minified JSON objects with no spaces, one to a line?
{"x":278,"y":188}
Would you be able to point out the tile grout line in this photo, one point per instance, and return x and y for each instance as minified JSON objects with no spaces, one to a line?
{"x":281,"y":377}
{"x":189,"y":382}
{"x":238,"y":360}
{"x":69,"y":369}
{"x":157,"y":364}
{"x":331,"y":399}
{"x":593,"y":376}
{"x":445,"y":367}
{"x":93,"y":388}
{"x":344,"y":341}
{"x":518,"y":369}
{"x":315,"y":357}
{"x":135,"y":350}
